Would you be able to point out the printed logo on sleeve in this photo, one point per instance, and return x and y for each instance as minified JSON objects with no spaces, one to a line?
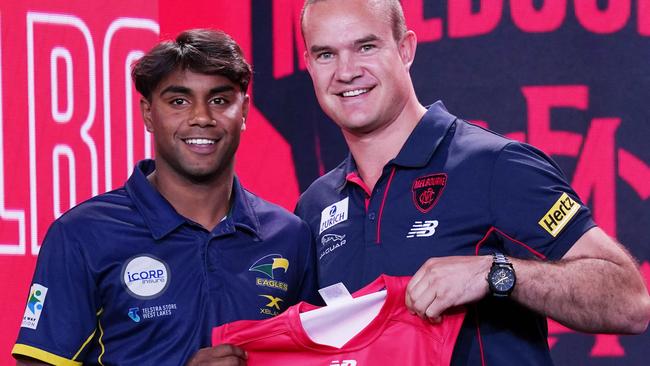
{"x":559,"y":215}
{"x":34,"y":306}
{"x":333,"y":215}
{"x":145,"y":277}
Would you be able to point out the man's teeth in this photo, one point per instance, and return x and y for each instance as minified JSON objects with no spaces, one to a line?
{"x":354,"y":93}
{"x":199,"y":142}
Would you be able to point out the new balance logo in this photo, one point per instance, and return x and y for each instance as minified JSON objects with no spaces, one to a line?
{"x":423,"y":229}
{"x":344,"y":363}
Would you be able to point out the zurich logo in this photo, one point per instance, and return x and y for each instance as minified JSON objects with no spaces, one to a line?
{"x":333,"y":210}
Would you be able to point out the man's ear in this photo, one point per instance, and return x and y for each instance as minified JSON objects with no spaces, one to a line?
{"x":305,"y":56}
{"x":407,"y":47}
{"x":145,"y":109}
{"x":245,"y":107}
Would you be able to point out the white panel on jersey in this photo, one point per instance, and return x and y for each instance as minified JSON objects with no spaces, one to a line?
{"x":334,"y":325}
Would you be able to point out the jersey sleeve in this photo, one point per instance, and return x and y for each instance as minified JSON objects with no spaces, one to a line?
{"x":533,"y":206}
{"x":61,"y":313}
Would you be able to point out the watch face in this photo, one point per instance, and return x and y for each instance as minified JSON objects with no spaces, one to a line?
{"x":502,"y":279}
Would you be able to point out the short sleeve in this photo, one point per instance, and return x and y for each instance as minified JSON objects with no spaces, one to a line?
{"x":62,"y":307}
{"x":534,"y":206}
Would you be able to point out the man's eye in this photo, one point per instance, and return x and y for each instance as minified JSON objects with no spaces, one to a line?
{"x":178,"y":101}
{"x":325,"y":55}
{"x":367,"y":47}
{"x":218,"y":100}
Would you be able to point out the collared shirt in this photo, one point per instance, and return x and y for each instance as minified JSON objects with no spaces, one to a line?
{"x":123,"y":279}
{"x":453,"y":189}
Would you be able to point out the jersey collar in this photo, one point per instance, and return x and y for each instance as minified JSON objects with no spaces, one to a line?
{"x":161,"y":217}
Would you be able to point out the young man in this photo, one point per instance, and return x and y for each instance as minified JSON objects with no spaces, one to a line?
{"x":424,"y":193}
{"x":141,"y":275}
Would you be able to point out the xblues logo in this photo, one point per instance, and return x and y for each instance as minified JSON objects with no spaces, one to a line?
{"x":34,"y":306}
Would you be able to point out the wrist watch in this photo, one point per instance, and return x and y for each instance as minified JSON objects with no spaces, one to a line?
{"x":501,"y":277}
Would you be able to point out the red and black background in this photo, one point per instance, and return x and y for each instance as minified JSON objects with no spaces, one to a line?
{"x":571,"y":77}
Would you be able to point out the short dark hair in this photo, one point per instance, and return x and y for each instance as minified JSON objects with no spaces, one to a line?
{"x":396,"y":13}
{"x":202,"y":51}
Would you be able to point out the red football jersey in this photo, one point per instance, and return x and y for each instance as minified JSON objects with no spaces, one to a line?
{"x":393,"y":336}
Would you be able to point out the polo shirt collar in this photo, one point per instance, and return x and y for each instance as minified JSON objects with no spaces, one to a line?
{"x":426,"y":137}
{"x":241,"y":213}
{"x":420,"y":145}
{"x":161,"y":217}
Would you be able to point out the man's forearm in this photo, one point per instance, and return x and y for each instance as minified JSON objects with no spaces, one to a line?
{"x":585,"y":294}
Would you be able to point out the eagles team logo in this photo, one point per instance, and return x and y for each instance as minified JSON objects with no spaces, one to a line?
{"x":427,"y":190}
{"x":270,"y":265}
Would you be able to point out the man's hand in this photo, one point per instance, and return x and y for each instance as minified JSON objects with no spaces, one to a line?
{"x":221,"y":355}
{"x":442,"y":283}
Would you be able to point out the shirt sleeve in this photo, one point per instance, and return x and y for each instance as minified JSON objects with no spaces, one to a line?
{"x":534,"y":208}
{"x":62,"y":307}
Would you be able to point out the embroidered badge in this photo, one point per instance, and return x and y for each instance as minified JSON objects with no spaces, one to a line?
{"x":427,"y":190}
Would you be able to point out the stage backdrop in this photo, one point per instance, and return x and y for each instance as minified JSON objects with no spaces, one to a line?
{"x":569,"y":76}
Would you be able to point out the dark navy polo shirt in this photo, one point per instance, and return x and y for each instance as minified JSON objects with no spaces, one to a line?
{"x":453,"y":189}
{"x":123,"y":279}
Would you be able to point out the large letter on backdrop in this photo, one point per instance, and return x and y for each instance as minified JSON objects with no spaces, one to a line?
{"x":60,"y":116}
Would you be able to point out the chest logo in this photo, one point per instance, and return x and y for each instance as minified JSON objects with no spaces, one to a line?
{"x":145,"y":277}
{"x":427,"y":190}
{"x":333,"y":215}
{"x":269,"y":263}
{"x":423,"y":229}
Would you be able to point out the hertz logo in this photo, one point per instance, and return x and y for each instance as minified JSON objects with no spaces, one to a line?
{"x":559,"y":215}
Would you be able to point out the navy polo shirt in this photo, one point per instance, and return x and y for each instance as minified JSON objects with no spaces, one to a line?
{"x":123,"y":279}
{"x":453,"y":189}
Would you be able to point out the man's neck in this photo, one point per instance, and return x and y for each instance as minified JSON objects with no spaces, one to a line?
{"x":206,"y":203}
{"x":372,"y":151}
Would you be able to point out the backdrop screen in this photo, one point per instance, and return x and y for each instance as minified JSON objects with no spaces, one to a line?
{"x":571,"y":77}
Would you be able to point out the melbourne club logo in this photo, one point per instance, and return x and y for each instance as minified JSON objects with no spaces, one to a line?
{"x":427,"y":190}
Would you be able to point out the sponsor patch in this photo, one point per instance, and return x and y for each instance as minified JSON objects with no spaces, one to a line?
{"x":34,"y":306}
{"x":333,"y":215}
{"x":559,"y":215}
{"x":272,"y":308}
{"x":145,"y":277}
{"x":427,"y":190}
{"x":329,"y":243}
{"x":158,"y":311}
{"x":133,"y":314}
